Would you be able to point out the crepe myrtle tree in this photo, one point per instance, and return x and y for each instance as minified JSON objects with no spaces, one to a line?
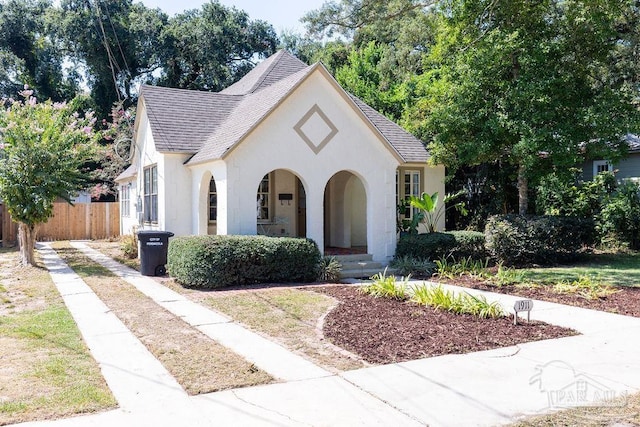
{"x":43,"y":147}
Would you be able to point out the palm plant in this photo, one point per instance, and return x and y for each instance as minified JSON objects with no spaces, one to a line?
{"x":432,"y":211}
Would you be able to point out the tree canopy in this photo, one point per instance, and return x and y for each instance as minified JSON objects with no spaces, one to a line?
{"x":529,"y":86}
{"x":528,"y":83}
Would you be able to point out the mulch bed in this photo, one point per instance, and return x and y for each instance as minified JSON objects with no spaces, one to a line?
{"x":626,"y":301}
{"x":383,"y":330}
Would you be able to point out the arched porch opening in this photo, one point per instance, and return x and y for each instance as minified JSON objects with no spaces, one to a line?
{"x":345,"y":214}
{"x":281,"y":205}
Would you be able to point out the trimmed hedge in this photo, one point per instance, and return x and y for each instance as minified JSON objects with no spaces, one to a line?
{"x":458,"y":244}
{"x":218,"y":261}
{"x":545,"y":240}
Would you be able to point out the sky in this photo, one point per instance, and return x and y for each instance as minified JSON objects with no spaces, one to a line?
{"x":282,"y":14}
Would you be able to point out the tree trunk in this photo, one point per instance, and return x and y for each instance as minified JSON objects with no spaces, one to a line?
{"x":27,"y":243}
{"x":523,"y":190}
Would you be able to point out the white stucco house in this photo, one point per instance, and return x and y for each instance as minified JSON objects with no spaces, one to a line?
{"x":285,"y":151}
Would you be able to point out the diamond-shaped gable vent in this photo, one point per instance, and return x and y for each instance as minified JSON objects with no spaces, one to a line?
{"x":316,"y":129}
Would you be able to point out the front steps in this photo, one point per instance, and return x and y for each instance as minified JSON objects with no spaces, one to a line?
{"x":359,"y":266}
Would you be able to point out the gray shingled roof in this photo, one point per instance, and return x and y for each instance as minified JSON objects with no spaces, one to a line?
{"x":247,"y":114}
{"x":273,"y":69}
{"x":208,"y":124}
{"x":181,"y":120}
{"x":633,"y":141}
{"x":410,"y":148}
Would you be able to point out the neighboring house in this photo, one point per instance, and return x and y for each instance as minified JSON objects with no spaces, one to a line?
{"x":628,"y":168}
{"x":285,"y":151}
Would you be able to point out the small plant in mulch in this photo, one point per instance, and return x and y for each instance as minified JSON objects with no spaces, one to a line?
{"x":461,"y":303}
{"x":409,"y":266}
{"x":450,"y":268}
{"x":506,"y":276}
{"x":585,"y":286}
{"x":386,"y":286}
{"x":432,"y":296}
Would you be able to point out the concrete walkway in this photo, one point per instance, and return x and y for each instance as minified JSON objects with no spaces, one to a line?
{"x":483,"y":388}
{"x":265,"y":354}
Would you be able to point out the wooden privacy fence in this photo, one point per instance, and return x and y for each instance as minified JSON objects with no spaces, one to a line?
{"x":78,"y":222}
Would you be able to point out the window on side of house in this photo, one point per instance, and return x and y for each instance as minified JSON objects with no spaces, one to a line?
{"x":411,"y":187}
{"x":125,"y":200}
{"x":151,"y":194}
{"x":407,"y":185}
{"x":213,"y":201}
{"x":263,"y":199}
{"x":600,"y":166}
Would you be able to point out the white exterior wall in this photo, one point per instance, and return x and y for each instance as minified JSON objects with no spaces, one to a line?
{"x":174,"y":180}
{"x":274,"y":144}
{"x":174,"y":195}
{"x":200,"y":177}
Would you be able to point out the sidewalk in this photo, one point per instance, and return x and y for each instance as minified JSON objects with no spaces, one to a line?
{"x":484,"y":388}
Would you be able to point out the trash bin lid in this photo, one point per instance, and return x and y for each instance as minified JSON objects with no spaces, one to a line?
{"x":155,"y":233}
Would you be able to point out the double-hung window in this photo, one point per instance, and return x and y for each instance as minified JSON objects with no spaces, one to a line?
{"x":125,"y":200}
{"x":151,"y":194}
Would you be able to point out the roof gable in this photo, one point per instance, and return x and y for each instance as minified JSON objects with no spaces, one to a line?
{"x":247,"y":115}
{"x":209,"y":125}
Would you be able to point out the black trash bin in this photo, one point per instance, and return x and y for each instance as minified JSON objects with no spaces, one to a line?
{"x":153,"y":252}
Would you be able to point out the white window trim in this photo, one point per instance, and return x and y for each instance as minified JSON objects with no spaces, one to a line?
{"x":152,"y":192}
{"x":598,"y":163}
{"x":125,"y":200}
{"x":269,"y":194}
{"x":400,"y":190}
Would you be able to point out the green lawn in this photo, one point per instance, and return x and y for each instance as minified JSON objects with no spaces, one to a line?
{"x":46,"y":370}
{"x":614,"y":269}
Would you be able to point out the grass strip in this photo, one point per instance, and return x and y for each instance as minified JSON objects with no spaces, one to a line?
{"x":46,"y":370}
{"x":290,"y":317}
{"x":198,"y":363}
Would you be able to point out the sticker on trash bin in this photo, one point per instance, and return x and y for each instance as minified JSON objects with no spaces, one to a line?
{"x":154,"y":244}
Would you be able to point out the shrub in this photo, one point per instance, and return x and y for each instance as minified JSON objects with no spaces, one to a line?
{"x":615,"y":207}
{"x":414,"y":267}
{"x":520,"y":240}
{"x":330,"y":270}
{"x":469,"y":244}
{"x":129,"y":245}
{"x":218,"y":261}
{"x":620,"y":216}
{"x":458,"y":244}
